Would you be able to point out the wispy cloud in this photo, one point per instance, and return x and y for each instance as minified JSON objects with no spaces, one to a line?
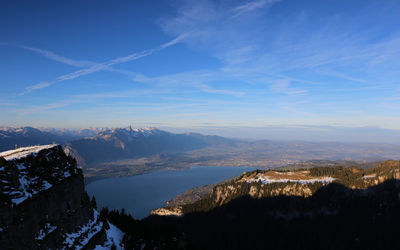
{"x":96,"y":67}
{"x":251,"y":6}
{"x":345,"y":77}
{"x":209,"y":89}
{"x":68,"y":61}
{"x":179,"y":39}
{"x":37,"y":86}
{"x":209,"y":26}
{"x":91,"y":98}
{"x":55,"y":57}
{"x":283,"y":86}
{"x":125,"y":101}
{"x":196,"y":80}
{"x":256,"y":45}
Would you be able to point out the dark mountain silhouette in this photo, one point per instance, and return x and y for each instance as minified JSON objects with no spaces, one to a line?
{"x":335,"y":217}
{"x":359,"y":210}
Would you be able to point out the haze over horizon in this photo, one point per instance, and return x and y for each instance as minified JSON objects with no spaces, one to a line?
{"x":268,"y":69}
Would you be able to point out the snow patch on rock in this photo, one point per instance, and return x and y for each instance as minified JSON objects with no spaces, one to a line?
{"x":24,"y":152}
{"x":48,"y":228}
{"x":20,"y":182}
{"x":81,"y":237}
{"x":114,"y":237}
{"x":268,"y":180}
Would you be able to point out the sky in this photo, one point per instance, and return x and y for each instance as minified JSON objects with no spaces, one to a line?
{"x":201,"y":64}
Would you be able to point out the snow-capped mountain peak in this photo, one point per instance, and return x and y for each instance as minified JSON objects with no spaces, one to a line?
{"x":130,"y":132}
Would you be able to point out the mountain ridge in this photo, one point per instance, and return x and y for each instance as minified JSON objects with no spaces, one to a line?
{"x":122,"y":143}
{"x":114,"y":152}
{"x":335,"y":215}
{"x":302,"y":182}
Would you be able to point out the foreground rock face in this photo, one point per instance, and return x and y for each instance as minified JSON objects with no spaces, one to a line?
{"x":43,"y":203}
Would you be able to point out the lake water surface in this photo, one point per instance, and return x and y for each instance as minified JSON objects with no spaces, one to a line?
{"x":140,"y":194}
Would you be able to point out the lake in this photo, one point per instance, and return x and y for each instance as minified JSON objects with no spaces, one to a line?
{"x":140,"y":194}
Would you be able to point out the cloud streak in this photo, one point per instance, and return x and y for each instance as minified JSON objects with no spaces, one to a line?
{"x":283,"y":86}
{"x":178,"y":39}
{"x":251,"y":6}
{"x":38,"y":86}
{"x":196,"y":80}
{"x":96,"y":67}
{"x":55,"y":57}
{"x":68,"y":61}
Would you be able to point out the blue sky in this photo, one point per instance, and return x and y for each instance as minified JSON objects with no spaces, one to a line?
{"x":191,"y":64}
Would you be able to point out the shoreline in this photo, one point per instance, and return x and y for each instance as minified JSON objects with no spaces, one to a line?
{"x":91,"y":179}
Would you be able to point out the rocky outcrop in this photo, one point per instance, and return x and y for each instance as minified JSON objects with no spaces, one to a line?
{"x":168,"y":211}
{"x":43,"y":203}
{"x":225,"y":193}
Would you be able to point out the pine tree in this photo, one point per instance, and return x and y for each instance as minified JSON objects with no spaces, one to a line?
{"x":93,"y":202}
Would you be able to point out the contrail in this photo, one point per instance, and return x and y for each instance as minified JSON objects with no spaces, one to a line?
{"x":96,"y":67}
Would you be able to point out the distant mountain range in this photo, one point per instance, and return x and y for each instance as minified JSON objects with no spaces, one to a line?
{"x":123,"y":143}
{"x":96,"y":145}
{"x":18,"y":137}
{"x":12,"y":137}
{"x":104,"y":152}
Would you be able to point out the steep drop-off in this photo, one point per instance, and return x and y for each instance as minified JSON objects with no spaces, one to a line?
{"x":43,"y":203}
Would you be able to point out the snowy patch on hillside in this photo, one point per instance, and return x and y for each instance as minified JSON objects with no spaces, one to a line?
{"x":78,"y":239}
{"x":24,"y":152}
{"x":268,"y":180}
{"x":114,"y":237}
{"x":81,"y":237}
{"x":45,"y":231}
{"x":26,"y":187}
{"x":146,"y":131}
{"x":369,"y":176}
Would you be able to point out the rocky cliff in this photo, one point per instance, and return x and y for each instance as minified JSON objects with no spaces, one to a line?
{"x":301,"y":183}
{"x":43,"y":203}
{"x":318,"y":208}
